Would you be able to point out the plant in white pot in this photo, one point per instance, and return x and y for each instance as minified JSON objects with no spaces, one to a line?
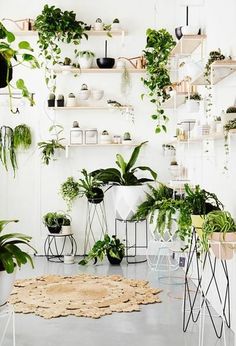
{"x":11,"y":256}
{"x":129,"y":190}
{"x":193,"y":102}
{"x":66,"y":225}
{"x":219,"y":233}
{"x":85,"y":58}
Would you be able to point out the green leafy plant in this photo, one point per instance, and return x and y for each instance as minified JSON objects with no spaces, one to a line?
{"x":231,"y":125}
{"x":69,"y":191}
{"x":7,"y":148}
{"x":22,"y":137}
{"x":110,"y":246}
{"x":195,"y":96}
{"x":157,"y":52}
{"x":90,"y":186}
{"x":84,"y":53}
{"x":10,"y":58}
{"x":11,"y":254}
{"x":66,"y":220}
{"x":125,"y":174}
{"x":48,"y":147}
{"x":231,"y":109}
{"x":53,"y":219}
{"x":55,"y":26}
{"x":216,"y":221}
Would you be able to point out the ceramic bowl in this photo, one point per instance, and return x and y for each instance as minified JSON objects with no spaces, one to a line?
{"x":105,"y":62}
{"x":97,"y":94}
{"x":84,"y":94}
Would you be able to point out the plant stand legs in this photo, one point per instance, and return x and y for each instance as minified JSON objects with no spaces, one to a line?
{"x":51,"y":247}
{"x":7,"y":312}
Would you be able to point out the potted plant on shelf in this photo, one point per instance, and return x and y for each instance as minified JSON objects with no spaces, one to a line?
{"x":229,"y":115}
{"x":218,"y":231}
{"x":85,"y":58}
{"x":111,"y":247}
{"x":115,"y":26}
{"x":53,"y":221}
{"x":10,"y":58}
{"x":193,"y":102}
{"x":55,"y":26}
{"x":11,"y":256}
{"x":129,"y":190}
{"x":49,"y":147}
{"x":7,"y":148}
{"x":98,"y":25}
{"x":231,"y":125}
{"x":157,"y":52}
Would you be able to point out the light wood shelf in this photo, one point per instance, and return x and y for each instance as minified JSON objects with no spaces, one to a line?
{"x":25,"y":33}
{"x":214,"y":137}
{"x":102,"y":145}
{"x":188,"y":44}
{"x":175,"y":101}
{"x":88,"y":32}
{"x":99,"y":70}
{"x":108,"y":108}
{"x":220,"y":70}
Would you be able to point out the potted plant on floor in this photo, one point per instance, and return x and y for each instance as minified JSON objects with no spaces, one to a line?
{"x":53,"y":221}
{"x":129,"y":190}
{"x":218,"y":231}
{"x":11,"y":256}
{"x":111,"y":247}
{"x":11,"y":57}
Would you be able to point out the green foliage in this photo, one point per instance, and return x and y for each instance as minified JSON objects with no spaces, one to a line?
{"x":7,"y":148}
{"x":195,"y":96}
{"x":216,"y":221}
{"x":53,"y":219}
{"x":157,"y":52}
{"x":48,"y":147}
{"x":84,"y":53}
{"x":14,"y":57}
{"x":125,"y":175}
{"x":69,"y":191}
{"x":109,"y":245}
{"x":22,"y":137}
{"x":55,"y":26}
{"x":231,"y":109}
{"x":89,"y":186}
{"x":11,"y":254}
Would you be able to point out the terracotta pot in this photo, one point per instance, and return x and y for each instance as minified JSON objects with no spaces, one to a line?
{"x":223,"y":249}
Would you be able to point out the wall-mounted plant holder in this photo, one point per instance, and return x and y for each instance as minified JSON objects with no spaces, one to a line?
{"x":91,"y":136}
{"x":76,"y":136}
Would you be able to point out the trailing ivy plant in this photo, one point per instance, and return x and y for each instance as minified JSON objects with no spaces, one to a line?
{"x":231,"y":125}
{"x":55,"y":26}
{"x":49,"y":147}
{"x":7,"y":149}
{"x":69,"y":191}
{"x":157,"y":52}
{"x":22,"y":137}
{"x":10,"y":58}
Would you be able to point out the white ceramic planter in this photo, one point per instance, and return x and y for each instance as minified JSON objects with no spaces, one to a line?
{"x":6,"y":285}
{"x":190,"y":30}
{"x":221,"y":246}
{"x":69,"y":259}
{"x":115,"y":26}
{"x":97,"y":94}
{"x":84,"y":94}
{"x":127,"y":199}
{"x":105,"y":139}
{"x":71,"y":102}
{"x":192,"y":106}
{"x":98,"y":26}
{"x":85,"y":62}
{"x":66,"y":230}
{"x":219,"y":127}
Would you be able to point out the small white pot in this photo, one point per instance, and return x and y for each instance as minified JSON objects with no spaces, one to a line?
{"x":97,"y":94}
{"x":84,"y":94}
{"x":190,"y":30}
{"x":175,"y":171}
{"x":115,"y":26}
{"x":192,"y":106}
{"x":98,"y":26}
{"x":105,"y":139}
{"x":66,"y":230}
{"x":127,"y":199}
{"x":85,"y":62}
{"x":71,"y":102}
{"x":6,"y":285}
{"x":69,"y":259}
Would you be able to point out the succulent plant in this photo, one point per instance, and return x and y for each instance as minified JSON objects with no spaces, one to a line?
{"x":84,"y":53}
{"x":231,"y":109}
{"x":60,"y":97}
{"x":127,"y":136}
{"x":116,"y":20}
{"x":98,"y":20}
{"x":67,"y":61}
{"x":84,"y":87}
{"x":75,"y":123}
{"x":174,"y":163}
{"x":195,"y":96}
{"x":51,"y":96}
{"x":71,"y":95}
{"x":105,"y":133}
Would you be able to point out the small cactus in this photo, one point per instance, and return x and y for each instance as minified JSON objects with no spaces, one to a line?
{"x":174,"y":163}
{"x":127,"y":136}
{"x":71,"y":95}
{"x":51,"y":96}
{"x":116,"y":20}
{"x":60,"y":97}
{"x":84,"y":87}
{"x":105,"y":133}
{"x":75,"y":123}
{"x":98,"y":20}
{"x":67,"y":61}
{"x":231,"y":109}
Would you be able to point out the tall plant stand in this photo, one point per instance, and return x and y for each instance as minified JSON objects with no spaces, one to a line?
{"x":95,"y":219}
{"x":7,"y":313}
{"x":135,"y":245}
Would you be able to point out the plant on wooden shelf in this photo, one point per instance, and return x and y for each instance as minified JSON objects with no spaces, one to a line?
{"x":53,"y":221}
{"x":111,"y":247}
{"x":10,"y":58}
{"x":157,"y":52}
{"x":219,"y":227}
{"x":49,"y":147}
{"x":213,"y":56}
{"x":85,"y":58}
{"x":55,"y":26}
{"x":22,"y":137}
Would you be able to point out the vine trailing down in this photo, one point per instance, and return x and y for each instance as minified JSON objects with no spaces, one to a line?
{"x":157,"y":52}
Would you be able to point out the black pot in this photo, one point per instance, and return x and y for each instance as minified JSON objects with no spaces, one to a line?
{"x":51,"y":103}
{"x":105,"y":62}
{"x":98,"y":196}
{"x":55,"y":229}
{"x":115,"y":261}
{"x":60,"y":103}
{"x":3,"y":72}
{"x":178,"y":32}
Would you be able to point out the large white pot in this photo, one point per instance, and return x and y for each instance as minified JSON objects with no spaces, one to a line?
{"x":127,"y":199}
{"x":6,"y":285}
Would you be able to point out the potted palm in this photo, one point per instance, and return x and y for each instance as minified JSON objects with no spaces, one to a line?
{"x":129,"y":190}
{"x":219,"y":229}
{"x":111,"y":247}
{"x":11,"y":256}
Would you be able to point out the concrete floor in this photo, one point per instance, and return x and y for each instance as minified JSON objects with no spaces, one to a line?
{"x":158,"y":324}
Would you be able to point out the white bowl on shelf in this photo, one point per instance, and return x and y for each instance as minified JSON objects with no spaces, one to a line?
{"x":84,"y":94}
{"x":97,"y":94}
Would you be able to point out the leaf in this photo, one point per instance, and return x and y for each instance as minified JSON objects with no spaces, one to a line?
{"x":83,"y":262}
{"x":10,"y":37}
{"x":20,"y":84}
{"x":121,"y":163}
{"x":134,"y":156}
{"x":25,"y":45}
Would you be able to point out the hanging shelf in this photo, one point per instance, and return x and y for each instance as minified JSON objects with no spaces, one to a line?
{"x":188,"y":44}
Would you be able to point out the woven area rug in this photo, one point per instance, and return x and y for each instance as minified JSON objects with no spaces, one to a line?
{"x":81,"y":295}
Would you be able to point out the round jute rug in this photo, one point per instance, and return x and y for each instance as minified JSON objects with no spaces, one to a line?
{"x":81,"y":295}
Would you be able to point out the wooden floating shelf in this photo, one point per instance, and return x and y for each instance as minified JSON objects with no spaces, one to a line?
{"x":214,"y":137}
{"x":100,"y":70}
{"x":175,"y":101}
{"x":102,"y":145}
{"x":89,"y":108}
{"x":88,"y":32}
{"x":25,"y":33}
{"x":220,"y":69}
{"x":188,"y":44}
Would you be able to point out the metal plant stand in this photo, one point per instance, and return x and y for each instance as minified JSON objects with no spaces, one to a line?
{"x":53,"y":252}
{"x":96,"y":213}
{"x":7,"y":312}
{"x":135,"y":245}
{"x":192,"y":310}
